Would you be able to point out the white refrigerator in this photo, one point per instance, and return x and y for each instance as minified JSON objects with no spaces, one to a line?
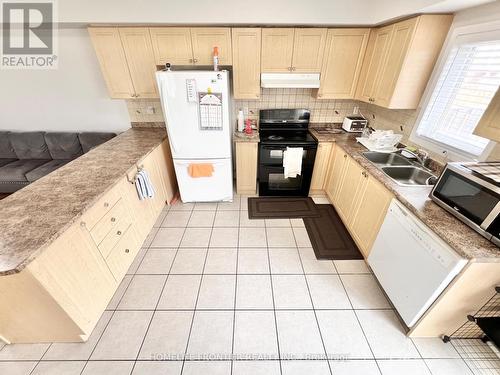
{"x":196,"y":106}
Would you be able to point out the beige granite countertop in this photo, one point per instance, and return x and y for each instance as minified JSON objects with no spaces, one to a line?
{"x":242,"y":137}
{"x":459,"y":236}
{"x":36,"y":215}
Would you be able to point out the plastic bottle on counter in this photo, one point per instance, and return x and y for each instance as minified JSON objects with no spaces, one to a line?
{"x":241,"y":120}
{"x":216,"y":59}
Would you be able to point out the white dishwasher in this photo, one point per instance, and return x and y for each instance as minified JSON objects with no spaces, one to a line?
{"x":412,"y":264}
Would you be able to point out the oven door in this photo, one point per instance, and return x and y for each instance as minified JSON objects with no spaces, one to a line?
{"x":272,"y":181}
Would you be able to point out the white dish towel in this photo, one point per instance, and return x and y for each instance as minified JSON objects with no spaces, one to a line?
{"x":144,"y":185}
{"x":292,"y":161}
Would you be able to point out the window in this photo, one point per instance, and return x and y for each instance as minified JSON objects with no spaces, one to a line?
{"x":468,"y":80}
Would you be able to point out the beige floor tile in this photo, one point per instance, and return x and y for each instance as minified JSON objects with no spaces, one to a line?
{"x":255,"y":332}
{"x":224,"y":237}
{"x":59,"y":368}
{"x":252,"y":237}
{"x":157,"y":368}
{"x":434,"y":347}
{"x":196,"y":237}
{"x":301,"y":237}
{"x":123,"y":336}
{"x":245,"y":222}
{"x":108,"y":368}
{"x":364,"y":292}
{"x":277,"y":223}
{"x":24,"y":352}
{"x":160,"y":218}
{"x":312,"y":265}
{"x":221,"y":260}
{"x":364,"y":367}
{"x":327,"y":292}
{"x":202,"y":219}
{"x":179,"y":206}
{"x":149,"y":239}
{"x":167,"y":336}
{"x":189,"y":261}
{"x":157,"y":261}
{"x":227,"y":219}
{"x":176,"y":219}
{"x":305,"y":367}
{"x":207,"y":368}
{"x":256,"y":368}
{"x":254,"y":292}
{"x":403,"y":366}
{"x":285,"y":260}
{"x":212,"y":333}
{"x":297,"y":223}
{"x":229,"y":206}
{"x":351,"y":266}
{"x":180,"y":292}
{"x":280,"y":237}
{"x":253,"y":261}
{"x":16,"y":368}
{"x":205,"y":206}
{"x":217,"y":292}
{"x":321,"y":200}
{"x":448,"y":367}
{"x":137,"y":261}
{"x":342,"y":335}
{"x":168,"y":237}
{"x":78,"y":351}
{"x":290,"y":292}
{"x":143,"y":292}
{"x":113,"y":304}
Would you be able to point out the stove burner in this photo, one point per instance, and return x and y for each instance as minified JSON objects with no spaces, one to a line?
{"x":275,"y":137}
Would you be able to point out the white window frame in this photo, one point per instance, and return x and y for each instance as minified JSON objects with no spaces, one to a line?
{"x":470,"y":33}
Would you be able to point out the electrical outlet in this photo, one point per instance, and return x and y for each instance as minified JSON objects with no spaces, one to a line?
{"x":401,"y":127}
{"x":355,"y":110}
{"x":150,"y":110}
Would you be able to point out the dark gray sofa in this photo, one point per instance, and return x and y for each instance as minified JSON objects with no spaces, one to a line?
{"x":26,"y":157}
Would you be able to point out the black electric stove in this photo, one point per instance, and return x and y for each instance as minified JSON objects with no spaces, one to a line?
{"x":279,"y":129}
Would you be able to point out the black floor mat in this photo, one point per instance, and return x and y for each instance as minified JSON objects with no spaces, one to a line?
{"x":281,"y":208}
{"x":329,"y":236}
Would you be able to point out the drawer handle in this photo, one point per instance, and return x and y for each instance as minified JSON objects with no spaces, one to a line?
{"x":119,"y":233}
{"x":113,"y":219}
{"x":127,"y":251}
{"x":345,"y":155}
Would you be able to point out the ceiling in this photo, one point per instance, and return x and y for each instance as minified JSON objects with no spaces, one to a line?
{"x":254,"y":12}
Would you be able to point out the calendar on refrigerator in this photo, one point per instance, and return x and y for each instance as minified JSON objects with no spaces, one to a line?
{"x":210,"y":111}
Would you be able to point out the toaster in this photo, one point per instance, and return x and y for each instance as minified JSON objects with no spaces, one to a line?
{"x":354,"y":124}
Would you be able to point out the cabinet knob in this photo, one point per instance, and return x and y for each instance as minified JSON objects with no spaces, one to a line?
{"x":293,"y":68}
{"x":195,"y":60}
{"x":106,"y":204}
{"x":137,"y":95}
{"x":127,"y":251}
{"x":190,"y":60}
{"x":113,"y":219}
{"x":119,"y":233}
{"x":320,"y":95}
{"x":364,"y":174}
{"x":345,"y":156}
{"x":82,"y":224}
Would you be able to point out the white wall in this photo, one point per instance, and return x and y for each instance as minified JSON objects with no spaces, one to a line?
{"x":73,"y":97}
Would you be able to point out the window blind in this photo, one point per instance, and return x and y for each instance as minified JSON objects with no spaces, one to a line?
{"x":465,"y":87}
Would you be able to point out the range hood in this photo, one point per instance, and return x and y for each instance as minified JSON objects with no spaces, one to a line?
{"x":289,"y":80}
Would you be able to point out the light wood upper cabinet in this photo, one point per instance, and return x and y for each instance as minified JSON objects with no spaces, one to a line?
{"x":344,"y":53}
{"x":246,"y":167}
{"x":320,"y":167}
{"x":399,"y":61}
{"x":489,"y":125}
{"x":139,"y":52}
{"x":172,"y":45}
{"x":111,"y":57}
{"x":246,"y":43}
{"x":277,"y":50}
{"x":308,"y":50}
{"x":204,"y":40}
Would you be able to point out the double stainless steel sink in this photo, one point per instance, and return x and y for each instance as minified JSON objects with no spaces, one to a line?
{"x":400,"y":169}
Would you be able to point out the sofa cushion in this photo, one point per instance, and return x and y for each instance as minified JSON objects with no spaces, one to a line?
{"x":91,"y":140}
{"x":6,"y":149}
{"x":30,"y":145}
{"x":63,"y":145}
{"x":45,"y":169}
{"x":16,"y":171}
{"x":6,"y":161}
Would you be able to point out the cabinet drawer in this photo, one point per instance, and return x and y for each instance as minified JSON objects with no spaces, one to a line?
{"x":101,"y":207}
{"x":108,"y":222}
{"x":121,"y":256}
{"x":114,"y":235}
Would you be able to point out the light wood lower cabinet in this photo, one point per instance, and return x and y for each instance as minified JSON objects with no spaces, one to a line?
{"x":246,"y":167}
{"x":61,"y":294}
{"x":358,"y":198}
{"x":320,"y":171}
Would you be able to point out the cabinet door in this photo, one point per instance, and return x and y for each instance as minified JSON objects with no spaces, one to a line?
{"x":172,"y":45}
{"x":111,"y":56}
{"x":139,"y":53}
{"x":246,"y":62}
{"x":204,"y":39}
{"x":489,"y":125}
{"x":344,"y":52}
{"x":391,"y":68}
{"x":376,"y":53}
{"x":277,"y":50}
{"x":320,"y":167}
{"x":372,"y":203}
{"x":351,"y":183}
{"x":246,"y":167}
{"x":308,"y":50}
{"x":337,"y":165}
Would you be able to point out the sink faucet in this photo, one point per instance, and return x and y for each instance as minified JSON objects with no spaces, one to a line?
{"x":422,"y":160}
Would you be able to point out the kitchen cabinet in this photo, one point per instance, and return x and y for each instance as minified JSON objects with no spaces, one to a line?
{"x":320,"y":168}
{"x":489,"y":124}
{"x":344,"y":53}
{"x":126,"y":59}
{"x":191,"y":46}
{"x":399,"y":61}
{"x":351,"y":182}
{"x":288,"y":49}
{"x":246,"y":167}
{"x":338,"y":160}
{"x":246,"y":44}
